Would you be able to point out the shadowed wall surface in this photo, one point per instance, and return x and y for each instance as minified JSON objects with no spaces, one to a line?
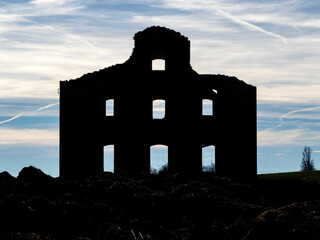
{"x":85,"y":128}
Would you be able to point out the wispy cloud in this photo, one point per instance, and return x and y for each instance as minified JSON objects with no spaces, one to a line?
{"x":271,"y":137}
{"x":290,"y":92}
{"x":47,"y":41}
{"x":56,"y":7}
{"x":36,"y":137}
{"x":291,"y":137}
{"x":52,"y":2}
{"x":63,"y":44}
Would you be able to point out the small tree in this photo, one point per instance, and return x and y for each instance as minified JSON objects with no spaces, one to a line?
{"x":163,"y":168}
{"x":307,"y":163}
{"x":210,"y":169}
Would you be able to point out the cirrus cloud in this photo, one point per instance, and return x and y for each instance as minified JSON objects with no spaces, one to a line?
{"x":34,"y":137}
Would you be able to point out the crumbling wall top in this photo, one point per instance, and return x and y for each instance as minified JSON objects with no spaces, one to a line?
{"x":162,"y":43}
{"x":156,"y":32}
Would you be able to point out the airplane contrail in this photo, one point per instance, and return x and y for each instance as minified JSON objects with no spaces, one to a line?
{"x":21,"y":114}
{"x":212,"y":5}
{"x":45,"y":107}
{"x":249,"y":26}
{"x":295,"y":111}
{"x":10,"y":119}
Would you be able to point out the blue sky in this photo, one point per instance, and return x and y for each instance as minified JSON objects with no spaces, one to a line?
{"x":274,"y":45}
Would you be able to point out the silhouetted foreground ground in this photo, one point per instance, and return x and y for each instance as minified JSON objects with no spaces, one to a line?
{"x":36,"y":206}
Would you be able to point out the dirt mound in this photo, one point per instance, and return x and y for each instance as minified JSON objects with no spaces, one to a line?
{"x":108,"y":206}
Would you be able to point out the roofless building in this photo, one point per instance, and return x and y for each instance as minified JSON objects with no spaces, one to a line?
{"x":131,"y":88}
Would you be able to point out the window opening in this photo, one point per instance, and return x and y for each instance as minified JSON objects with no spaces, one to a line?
{"x":108,"y":158}
{"x":158,"y":109}
{"x":207,"y":107}
{"x":208,"y":159}
{"x":110,"y":107}
{"x":159,"y":64}
{"x":158,"y":158}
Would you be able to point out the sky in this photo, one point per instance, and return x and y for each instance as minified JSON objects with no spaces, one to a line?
{"x":273,"y":45}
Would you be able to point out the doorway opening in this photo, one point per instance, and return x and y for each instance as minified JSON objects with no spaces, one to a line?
{"x":208,"y":159}
{"x":108,"y":158}
{"x":158,"y":158}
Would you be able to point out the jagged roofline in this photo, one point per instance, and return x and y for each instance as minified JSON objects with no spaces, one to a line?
{"x":151,"y":30}
{"x":145,"y":35}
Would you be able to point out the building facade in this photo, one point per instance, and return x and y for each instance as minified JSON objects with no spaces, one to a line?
{"x":132,"y":88}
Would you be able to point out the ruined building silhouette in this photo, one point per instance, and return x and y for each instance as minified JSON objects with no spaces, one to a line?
{"x":133,"y":86}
